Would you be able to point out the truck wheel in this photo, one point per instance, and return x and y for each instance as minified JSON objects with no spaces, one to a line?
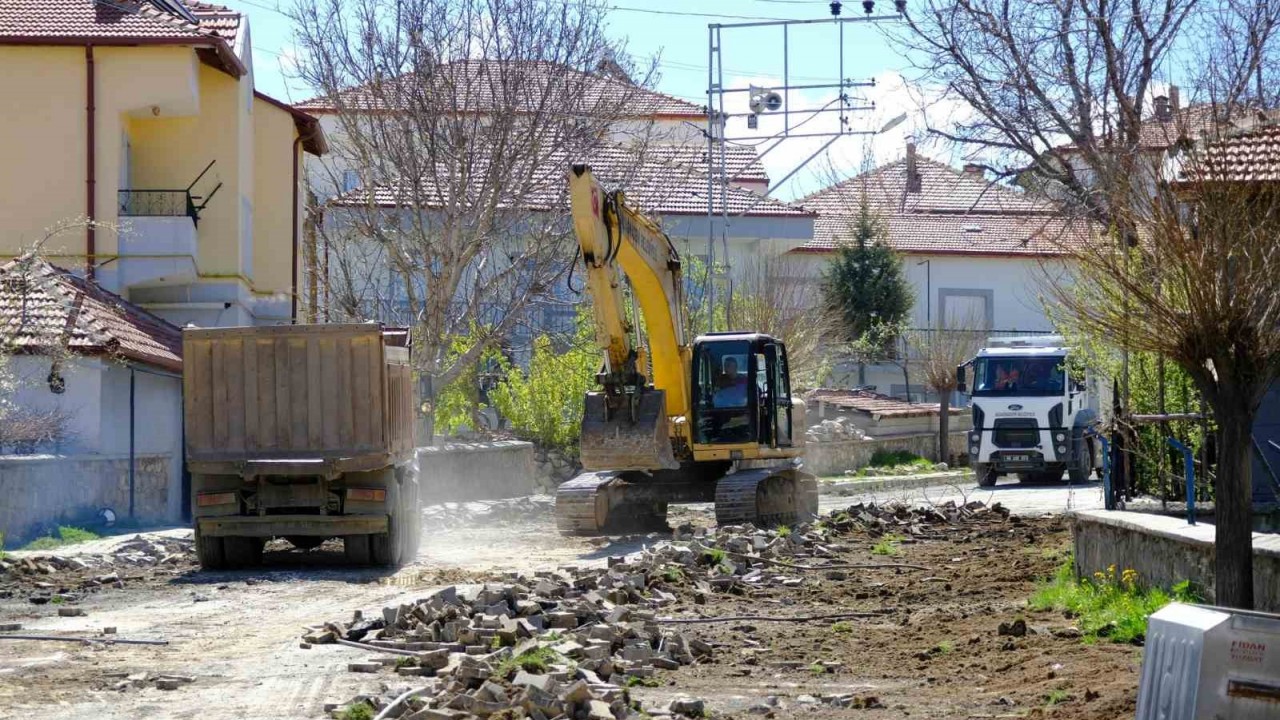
{"x":356,"y":549}
{"x":412,"y":513}
{"x":211,"y":553}
{"x":386,"y":548}
{"x":243,"y":551}
{"x":1078,"y":473}
{"x":985,"y":474}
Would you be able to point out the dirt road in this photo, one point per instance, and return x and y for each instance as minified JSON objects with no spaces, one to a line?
{"x":237,"y":633}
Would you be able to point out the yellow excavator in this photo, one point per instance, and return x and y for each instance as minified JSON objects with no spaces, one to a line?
{"x":715,"y":421}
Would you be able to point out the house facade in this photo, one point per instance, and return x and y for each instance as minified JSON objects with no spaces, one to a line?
{"x":142,"y":118}
{"x":979,"y":255}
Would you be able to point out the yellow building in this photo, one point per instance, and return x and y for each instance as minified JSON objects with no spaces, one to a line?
{"x":141,"y":116}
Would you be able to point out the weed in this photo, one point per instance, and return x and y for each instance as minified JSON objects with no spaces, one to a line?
{"x":714,"y":556}
{"x":673,"y":573}
{"x":406,"y":662}
{"x":495,"y":642}
{"x":359,"y":711}
{"x":58,"y":600}
{"x":1107,"y":605}
{"x":818,"y":669}
{"x":1057,"y":696}
{"x":899,"y":462}
{"x":888,"y":545}
{"x":783,"y":531}
{"x":945,"y":647}
{"x":67,"y":535}
{"x":635,"y":680}
{"x":843,"y":627}
{"x":532,"y":661}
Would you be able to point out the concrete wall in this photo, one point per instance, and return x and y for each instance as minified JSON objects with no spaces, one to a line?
{"x":834,"y":458}
{"x":40,"y":491}
{"x":476,"y":471}
{"x":1166,"y":551}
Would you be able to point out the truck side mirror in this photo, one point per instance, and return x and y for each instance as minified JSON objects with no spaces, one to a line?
{"x":960,"y":384}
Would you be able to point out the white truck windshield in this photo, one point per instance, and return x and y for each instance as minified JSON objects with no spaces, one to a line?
{"x":1018,"y":376}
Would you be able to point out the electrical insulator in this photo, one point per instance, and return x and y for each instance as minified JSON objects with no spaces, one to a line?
{"x":835,"y":8}
{"x":868,"y":6}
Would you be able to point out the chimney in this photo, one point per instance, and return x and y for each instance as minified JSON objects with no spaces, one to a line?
{"x":1174,"y":100}
{"x":975,"y":170}
{"x":1162,"y":108}
{"x":913,"y":173}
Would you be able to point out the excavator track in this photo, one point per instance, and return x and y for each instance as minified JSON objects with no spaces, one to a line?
{"x":607,"y":503}
{"x":765,"y":497}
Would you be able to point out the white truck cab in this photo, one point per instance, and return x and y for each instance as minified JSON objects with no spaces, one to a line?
{"x":1031,"y":417}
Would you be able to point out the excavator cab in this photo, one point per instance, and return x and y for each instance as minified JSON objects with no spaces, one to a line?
{"x":741,"y":390}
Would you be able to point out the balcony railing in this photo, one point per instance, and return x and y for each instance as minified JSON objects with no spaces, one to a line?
{"x":158,"y":203}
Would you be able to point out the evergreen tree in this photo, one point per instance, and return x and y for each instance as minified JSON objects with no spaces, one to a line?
{"x":865,"y":284}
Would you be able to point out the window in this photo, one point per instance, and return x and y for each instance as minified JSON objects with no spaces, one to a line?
{"x":1044,"y":376}
{"x":350,"y":180}
{"x":722,"y":392}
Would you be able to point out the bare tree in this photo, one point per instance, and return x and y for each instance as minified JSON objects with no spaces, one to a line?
{"x":938,"y":351}
{"x":1059,"y":93}
{"x":458,"y":118}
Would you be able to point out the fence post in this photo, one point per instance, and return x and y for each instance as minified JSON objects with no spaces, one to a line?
{"x":1108,"y":498}
{"x":1190,"y":471}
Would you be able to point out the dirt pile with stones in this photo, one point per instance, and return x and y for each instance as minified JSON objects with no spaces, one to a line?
{"x":67,"y":577}
{"x":573,"y":642}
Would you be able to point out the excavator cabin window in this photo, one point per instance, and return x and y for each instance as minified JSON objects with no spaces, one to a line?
{"x":734,"y":381}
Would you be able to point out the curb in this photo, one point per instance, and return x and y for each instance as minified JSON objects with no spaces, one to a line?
{"x":908,"y":482}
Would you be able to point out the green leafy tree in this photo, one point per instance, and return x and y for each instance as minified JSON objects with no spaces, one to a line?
{"x":865,"y":284}
{"x":459,"y":405}
{"x":544,"y":403}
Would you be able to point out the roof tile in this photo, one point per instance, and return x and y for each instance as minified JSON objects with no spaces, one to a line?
{"x":44,"y":306}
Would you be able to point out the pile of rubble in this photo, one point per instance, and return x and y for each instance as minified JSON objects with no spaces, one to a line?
{"x":567,"y":643}
{"x":71,"y":574}
{"x":841,"y":428}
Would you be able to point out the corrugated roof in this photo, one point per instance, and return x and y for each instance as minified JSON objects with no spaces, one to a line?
{"x":650,"y":183}
{"x":490,"y":85}
{"x":952,"y":211}
{"x":874,"y":403}
{"x":43,"y":306}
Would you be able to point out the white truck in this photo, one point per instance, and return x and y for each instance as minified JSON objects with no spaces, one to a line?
{"x":1031,"y":416}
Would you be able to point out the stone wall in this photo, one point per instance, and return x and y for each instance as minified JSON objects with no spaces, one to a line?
{"x":552,"y":467}
{"x":838,"y":456}
{"x":38,"y":492}
{"x":1166,"y":550}
{"x":476,"y":471}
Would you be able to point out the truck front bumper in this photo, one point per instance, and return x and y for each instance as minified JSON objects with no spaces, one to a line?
{"x":1019,"y":461}
{"x":283,"y":525}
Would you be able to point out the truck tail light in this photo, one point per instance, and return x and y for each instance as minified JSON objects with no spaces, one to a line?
{"x":222,"y":498}
{"x":367,"y":494}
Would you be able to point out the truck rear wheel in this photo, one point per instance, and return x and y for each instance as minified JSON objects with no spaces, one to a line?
{"x":356,"y":549}
{"x":1078,"y":473}
{"x":243,"y":551}
{"x":386,"y":548}
{"x":211,"y":552}
{"x":985,"y":474}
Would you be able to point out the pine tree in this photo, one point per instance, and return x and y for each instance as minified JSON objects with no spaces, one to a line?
{"x":865,"y":283}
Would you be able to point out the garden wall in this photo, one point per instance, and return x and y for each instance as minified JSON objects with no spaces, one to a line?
{"x":476,"y":471}
{"x":835,"y":457}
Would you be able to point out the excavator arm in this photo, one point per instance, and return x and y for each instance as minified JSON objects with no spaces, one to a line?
{"x":629,"y":425}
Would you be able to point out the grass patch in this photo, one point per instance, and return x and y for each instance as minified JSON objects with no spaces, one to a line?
{"x":945,"y":647}
{"x":536,"y":660}
{"x":1111,"y":606}
{"x":844,"y":627}
{"x":888,"y":545}
{"x":714,"y":556}
{"x":637,"y":681}
{"x":66,"y":535}
{"x":673,"y":573}
{"x":1057,"y":696}
{"x":783,"y":531}
{"x":359,"y":711}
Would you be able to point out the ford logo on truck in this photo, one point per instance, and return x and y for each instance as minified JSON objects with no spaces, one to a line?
{"x":1015,"y":407}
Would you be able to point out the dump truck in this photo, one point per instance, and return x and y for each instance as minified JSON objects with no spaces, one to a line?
{"x":1032,"y":416}
{"x":301,"y":432}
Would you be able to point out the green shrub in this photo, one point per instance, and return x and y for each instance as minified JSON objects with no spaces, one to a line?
{"x":897,"y":458}
{"x":66,"y":535}
{"x":458,"y":405}
{"x":1107,"y":605}
{"x":535,"y":660}
{"x":888,"y":545}
{"x":359,"y":711}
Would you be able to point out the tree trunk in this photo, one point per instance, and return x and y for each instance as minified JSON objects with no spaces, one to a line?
{"x":1233,"y":512}
{"x":944,"y":426}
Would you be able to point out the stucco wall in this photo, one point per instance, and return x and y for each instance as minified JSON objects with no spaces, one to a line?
{"x":476,"y":471}
{"x":838,"y":456}
{"x":40,"y":491}
{"x":1166,"y":550}
{"x":273,"y":163}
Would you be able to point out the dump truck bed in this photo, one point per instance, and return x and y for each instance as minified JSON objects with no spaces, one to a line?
{"x":297,"y":399}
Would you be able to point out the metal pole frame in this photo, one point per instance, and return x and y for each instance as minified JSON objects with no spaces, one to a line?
{"x":717,"y":160}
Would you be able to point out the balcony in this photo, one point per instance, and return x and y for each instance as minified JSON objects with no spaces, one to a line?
{"x":157,"y":237}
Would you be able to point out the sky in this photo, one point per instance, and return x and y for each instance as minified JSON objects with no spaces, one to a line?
{"x":675,"y":32}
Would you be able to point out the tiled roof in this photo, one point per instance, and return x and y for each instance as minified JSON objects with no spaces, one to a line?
{"x":873,"y":403}
{"x":952,"y":211}
{"x":976,"y":234}
{"x":742,"y":163}
{"x":651,"y":184}
{"x":1248,"y":157}
{"x":217,"y":20}
{"x":942,"y":189}
{"x":43,"y":306}
{"x":471,"y":86}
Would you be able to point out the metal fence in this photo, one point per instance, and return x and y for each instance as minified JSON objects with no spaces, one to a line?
{"x":157,"y":203}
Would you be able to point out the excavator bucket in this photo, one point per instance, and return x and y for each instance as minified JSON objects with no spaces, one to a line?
{"x":632,"y":437}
